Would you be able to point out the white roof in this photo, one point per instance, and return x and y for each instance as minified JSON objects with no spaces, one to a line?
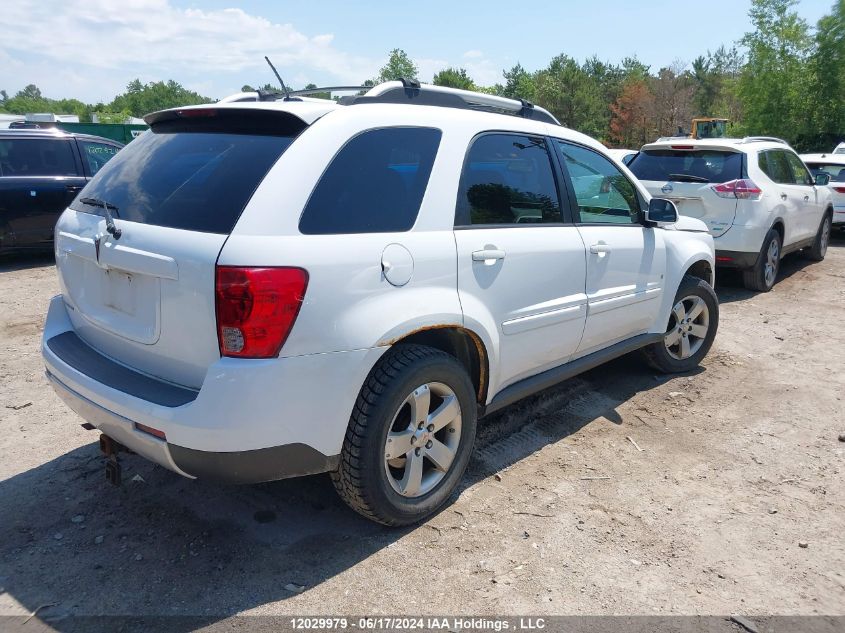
{"x":831,"y":159}
{"x":728,"y":144}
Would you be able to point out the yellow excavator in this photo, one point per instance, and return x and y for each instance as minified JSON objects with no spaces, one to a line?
{"x":709,"y":127}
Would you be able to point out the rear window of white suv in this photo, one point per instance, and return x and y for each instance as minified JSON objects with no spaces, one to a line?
{"x":687,"y":165}
{"x":196,"y":172}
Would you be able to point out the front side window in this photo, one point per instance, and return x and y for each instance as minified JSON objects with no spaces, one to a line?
{"x":507,"y":179}
{"x":775,"y":165}
{"x":96,"y":154}
{"x":603,"y":193}
{"x":375,"y":183}
{"x":800,"y":175}
{"x":36,"y":157}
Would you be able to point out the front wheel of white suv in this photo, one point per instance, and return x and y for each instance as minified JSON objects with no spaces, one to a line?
{"x":819,"y":248}
{"x":762,"y":276}
{"x":691,"y":329}
{"x":409,"y":438}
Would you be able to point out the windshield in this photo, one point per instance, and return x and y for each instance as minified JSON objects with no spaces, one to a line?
{"x":189,"y":174}
{"x":702,"y":166}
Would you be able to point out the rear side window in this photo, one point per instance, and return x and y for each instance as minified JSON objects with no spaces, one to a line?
{"x":687,"y":165}
{"x":775,"y":165}
{"x":507,"y":179}
{"x":36,"y":157}
{"x":96,"y":154}
{"x":195,"y":174}
{"x":375,"y":183}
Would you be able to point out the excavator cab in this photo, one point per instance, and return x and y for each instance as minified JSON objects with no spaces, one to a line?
{"x":709,"y":127}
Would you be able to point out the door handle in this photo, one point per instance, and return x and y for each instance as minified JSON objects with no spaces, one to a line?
{"x":488,"y":255}
{"x":73,"y":188}
{"x":600,"y":249}
{"x":783,"y":196}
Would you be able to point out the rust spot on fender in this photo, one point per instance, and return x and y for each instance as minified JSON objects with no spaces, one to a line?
{"x":479,"y":348}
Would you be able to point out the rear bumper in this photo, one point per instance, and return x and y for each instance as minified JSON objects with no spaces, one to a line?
{"x":735,"y":259}
{"x":739,"y":246}
{"x":839,"y":215}
{"x":252,"y":420}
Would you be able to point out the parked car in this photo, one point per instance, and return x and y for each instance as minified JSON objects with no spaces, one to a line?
{"x":624,"y":156}
{"x":834,"y":166}
{"x":259,"y":290}
{"x":757,"y":197}
{"x":839,"y":149}
{"x":41,"y":171}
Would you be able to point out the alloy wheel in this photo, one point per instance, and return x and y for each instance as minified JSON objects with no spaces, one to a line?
{"x":423,"y":440}
{"x":825,"y":237}
{"x":770,"y":268}
{"x":688,"y":327}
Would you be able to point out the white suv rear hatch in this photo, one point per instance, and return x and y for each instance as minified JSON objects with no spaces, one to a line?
{"x":687,"y":174}
{"x":147,"y":299}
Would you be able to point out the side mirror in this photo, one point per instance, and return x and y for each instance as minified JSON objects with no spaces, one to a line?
{"x":822,"y":179}
{"x":661,"y":212}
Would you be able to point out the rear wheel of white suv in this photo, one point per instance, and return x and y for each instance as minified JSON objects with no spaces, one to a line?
{"x":691,"y":329}
{"x":762,"y":276}
{"x":409,"y":438}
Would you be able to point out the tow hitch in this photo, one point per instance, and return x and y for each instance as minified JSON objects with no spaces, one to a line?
{"x":110,"y":448}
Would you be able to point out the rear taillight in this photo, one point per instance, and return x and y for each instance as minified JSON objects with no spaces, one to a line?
{"x":839,"y":189}
{"x":743,"y":188}
{"x":256,"y":309}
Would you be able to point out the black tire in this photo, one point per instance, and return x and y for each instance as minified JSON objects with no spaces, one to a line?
{"x":756,"y":277}
{"x":362,"y":478}
{"x":659,"y":355}
{"x":819,"y":248}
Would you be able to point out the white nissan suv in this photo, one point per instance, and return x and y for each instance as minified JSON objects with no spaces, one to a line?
{"x":758,"y":199}
{"x":260,"y":289}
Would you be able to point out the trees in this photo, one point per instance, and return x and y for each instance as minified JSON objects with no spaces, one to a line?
{"x":454,"y":78}
{"x":828,"y":70}
{"x":774,"y":84}
{"x":399,"y":65}
{"x":140,"y":99}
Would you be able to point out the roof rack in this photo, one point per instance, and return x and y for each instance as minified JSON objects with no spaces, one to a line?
{"x":410,"y":91}
{"x":771,"y":139}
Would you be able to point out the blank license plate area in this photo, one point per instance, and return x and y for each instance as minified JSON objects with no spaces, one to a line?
{"x":119,"y":291}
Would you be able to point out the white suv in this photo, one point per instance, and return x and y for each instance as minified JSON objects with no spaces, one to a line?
{"x":258,"y":290}
{"x":758,"y":199}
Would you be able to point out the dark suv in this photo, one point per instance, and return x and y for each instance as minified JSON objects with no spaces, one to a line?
{"x":41,"y":171}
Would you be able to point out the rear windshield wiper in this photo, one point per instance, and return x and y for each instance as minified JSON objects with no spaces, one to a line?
{"x":107,"y":209}
{"x":687,"y":178}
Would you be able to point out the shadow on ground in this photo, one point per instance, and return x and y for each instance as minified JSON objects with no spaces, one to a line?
{"x":164,"y":545}
{"x":25,"y":260}
{"x":729,"y":285}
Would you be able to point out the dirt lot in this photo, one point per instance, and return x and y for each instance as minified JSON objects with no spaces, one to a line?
{"x":734,"y":504}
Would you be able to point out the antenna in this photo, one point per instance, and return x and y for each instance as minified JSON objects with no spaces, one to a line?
{"x":279,"y":77}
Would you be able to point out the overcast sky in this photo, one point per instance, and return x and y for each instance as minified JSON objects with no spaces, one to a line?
{"x":90,"y":49}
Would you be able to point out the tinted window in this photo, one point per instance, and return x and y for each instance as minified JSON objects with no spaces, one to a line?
{"x":375,"y":184}
{"x":36,"y":157}
{"x":96,"y":154}
{"x":776,"y":166}
{"x":800,"y":175}
{"x":508,"y":179}
{"x":835,"y":171}
{"x":685,"y":165}
{"x":196,"y":175}
{"x":603,"y":193}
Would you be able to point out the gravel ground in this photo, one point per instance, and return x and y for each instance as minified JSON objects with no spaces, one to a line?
{"x":734,"y":504}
